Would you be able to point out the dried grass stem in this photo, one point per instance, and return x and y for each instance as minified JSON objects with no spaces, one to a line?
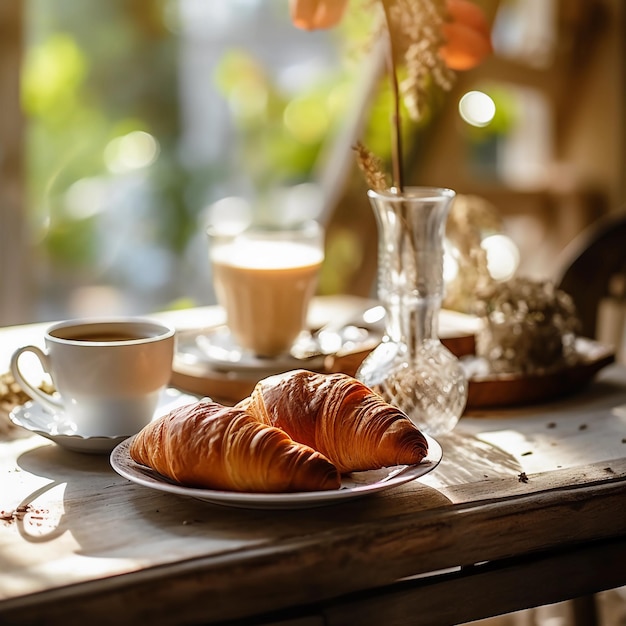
{"x":396,"y":125}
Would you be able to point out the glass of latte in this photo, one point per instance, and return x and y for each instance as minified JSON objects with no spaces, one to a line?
{"x":265,"y":279}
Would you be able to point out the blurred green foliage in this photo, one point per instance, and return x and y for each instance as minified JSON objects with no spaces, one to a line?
{"x":279,"y":135}
{"x":94,"y":71}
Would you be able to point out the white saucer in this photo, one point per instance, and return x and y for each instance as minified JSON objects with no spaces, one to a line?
{"x":34,"y":417}
{"x":216,"y":349}
{"x":218,"y":346}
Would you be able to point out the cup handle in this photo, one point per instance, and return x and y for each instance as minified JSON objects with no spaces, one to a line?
{"x":34,"y":392}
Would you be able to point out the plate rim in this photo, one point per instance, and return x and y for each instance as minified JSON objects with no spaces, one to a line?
{"x":144,"y":476}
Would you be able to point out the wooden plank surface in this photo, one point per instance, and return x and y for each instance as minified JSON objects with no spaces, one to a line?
{"x":77,"y":539}
{"x":96,"y":526}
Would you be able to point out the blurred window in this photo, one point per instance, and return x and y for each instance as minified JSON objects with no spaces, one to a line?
{"x":141,"y":114}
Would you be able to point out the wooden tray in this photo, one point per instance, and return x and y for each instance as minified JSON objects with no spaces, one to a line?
{"x":506,"y":390}
{"x":229,"y":387}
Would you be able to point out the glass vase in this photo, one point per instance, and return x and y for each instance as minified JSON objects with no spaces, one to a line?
{"x":411,"y":368}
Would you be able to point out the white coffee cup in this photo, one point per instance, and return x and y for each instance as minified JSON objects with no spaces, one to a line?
{"x":108,"y":373}
{"x":265,"y":280}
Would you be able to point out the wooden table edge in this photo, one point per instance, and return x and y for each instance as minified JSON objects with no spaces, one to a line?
{"x":194,"y":588}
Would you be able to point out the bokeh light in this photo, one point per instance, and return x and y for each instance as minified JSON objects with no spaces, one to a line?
{"x":477,"y":108}
{"x":502,"y":256}
{"x":133,"y":151}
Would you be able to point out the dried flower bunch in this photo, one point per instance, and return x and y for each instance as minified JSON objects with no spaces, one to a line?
{"x":529,"y":326}
{"x":429,"y":39}
{"x":535,"y":301}
{"x":372,"y":168}
{"x":12,"y":395}
{"x":416,"y":36}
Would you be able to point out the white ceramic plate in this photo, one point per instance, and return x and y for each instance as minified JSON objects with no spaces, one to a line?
{"x":57,"y":428}
{"x":355,"y":485}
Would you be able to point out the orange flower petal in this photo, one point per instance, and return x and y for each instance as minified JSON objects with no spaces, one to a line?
{"x":465,"y":47}
{"x":467,"y":35}
{"x":316,"y":14}
{"x":468,"y":13}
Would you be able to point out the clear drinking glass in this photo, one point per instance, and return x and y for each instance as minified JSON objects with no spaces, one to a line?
{"x":265,"y":279}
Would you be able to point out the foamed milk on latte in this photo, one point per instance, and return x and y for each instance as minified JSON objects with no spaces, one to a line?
{"x":265,"y":287}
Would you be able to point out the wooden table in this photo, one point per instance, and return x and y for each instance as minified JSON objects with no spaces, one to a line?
{"x":528,"y":507}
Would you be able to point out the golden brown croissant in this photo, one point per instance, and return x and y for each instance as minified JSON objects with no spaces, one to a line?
{"x":216,"y":447}
{"x":340,"y":417}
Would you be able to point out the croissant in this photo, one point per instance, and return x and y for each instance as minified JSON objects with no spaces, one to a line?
{"x":338,"y":416}
{"x":212,"y":446}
